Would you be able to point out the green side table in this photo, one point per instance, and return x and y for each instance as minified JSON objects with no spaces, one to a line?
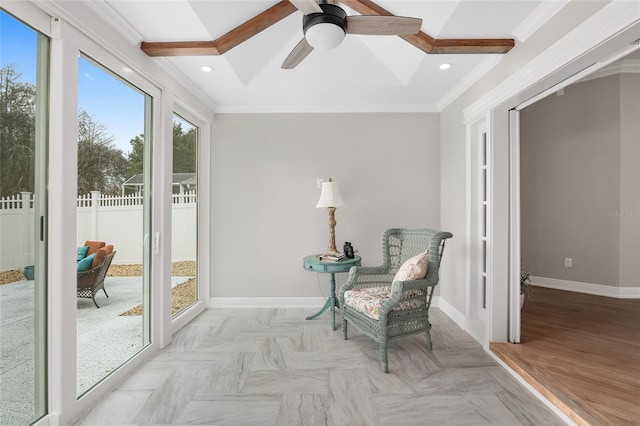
{"x":312,"y":263}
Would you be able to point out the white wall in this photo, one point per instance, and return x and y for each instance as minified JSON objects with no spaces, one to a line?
{"x":264,"y":193}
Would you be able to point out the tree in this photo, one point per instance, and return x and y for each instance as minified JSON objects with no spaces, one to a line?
{"x":136,"y":156}
{"x":184,"y":149}
{"x":101,"y":166}
{"x":17,"y":132}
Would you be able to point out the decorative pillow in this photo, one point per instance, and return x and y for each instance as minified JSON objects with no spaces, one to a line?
{"x":82,"y":252}
{"x":85,"y":263}
{"x":100,"y":254}
{"x":94,"y":246}
{"x":414,"y":268}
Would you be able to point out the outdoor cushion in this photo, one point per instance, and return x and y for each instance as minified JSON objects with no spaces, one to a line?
{"x":85,"y":263}
{"x":82,"y":252}
{"x":94,"y":246}
{"x":100,"y":254}
{"x":414,"y":268}
{"x":368,"y":300}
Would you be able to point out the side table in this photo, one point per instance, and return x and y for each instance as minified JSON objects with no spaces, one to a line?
{"x":312,"y":263}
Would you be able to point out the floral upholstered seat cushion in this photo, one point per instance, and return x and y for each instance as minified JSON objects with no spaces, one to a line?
{"x":368,"y":300}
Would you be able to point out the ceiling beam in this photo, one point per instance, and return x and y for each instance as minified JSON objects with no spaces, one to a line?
{"x":431,"y":45}
{"x":228,"y":41}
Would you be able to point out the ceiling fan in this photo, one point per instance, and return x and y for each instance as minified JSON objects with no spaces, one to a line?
{"x":325,"y":25}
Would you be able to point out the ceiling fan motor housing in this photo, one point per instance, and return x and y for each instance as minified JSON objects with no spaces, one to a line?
{"x":333,"y":15}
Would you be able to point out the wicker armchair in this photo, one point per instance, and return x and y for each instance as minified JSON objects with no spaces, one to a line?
{"x":92,"y":280}
{"x":402,"y":307}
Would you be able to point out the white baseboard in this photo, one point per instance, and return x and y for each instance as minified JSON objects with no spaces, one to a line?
{"x":266,"y":302}
{"x":455,"y":315}
{"x":311,"y":302}
{"x":588,"y":288}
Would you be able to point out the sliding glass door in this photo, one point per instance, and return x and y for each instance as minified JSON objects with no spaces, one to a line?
{"x":23,"y":207}
{"x":184,"y":215}
{"x":113,"y":222}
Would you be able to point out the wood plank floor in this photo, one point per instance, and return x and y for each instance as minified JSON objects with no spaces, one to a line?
{"x":271,"y":367}
{"x":583,"y":353}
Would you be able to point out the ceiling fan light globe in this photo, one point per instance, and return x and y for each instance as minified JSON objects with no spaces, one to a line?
{"x":324,"y":36}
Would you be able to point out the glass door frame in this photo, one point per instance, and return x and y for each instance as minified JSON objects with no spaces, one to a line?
{"x":203,"y":250}
{"x":70,"y":34}
{"x":63,"y":217}
{"x":36,"y":20}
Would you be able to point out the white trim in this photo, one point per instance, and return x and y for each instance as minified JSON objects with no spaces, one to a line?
{"x":588,"y":288}
{"x":115,"y":20}
{"x":515,"y":256}
{"x":626,"y":66}
{"x":468,"y":80}
{"x":545,"y":11}
{"x":312,"y":303}
{"x":610,"y":21}
{"x":596,"y":70}
{"x":531,"y":389}
{"x":448,"y":309}
{"x":268,"y":109}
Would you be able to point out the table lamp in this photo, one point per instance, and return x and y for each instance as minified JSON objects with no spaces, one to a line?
{"x":330,"y":198}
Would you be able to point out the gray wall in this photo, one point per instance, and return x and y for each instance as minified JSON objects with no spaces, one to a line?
{"x":570,"y":183}
{"x":264,"y":193}
{"x":630,"y":180}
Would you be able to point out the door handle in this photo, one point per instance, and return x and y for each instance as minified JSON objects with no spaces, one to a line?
{"x":156,"y":244}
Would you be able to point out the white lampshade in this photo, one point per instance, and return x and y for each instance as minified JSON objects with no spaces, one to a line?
{"x":330,"y":196}
{"x":324,"y":36}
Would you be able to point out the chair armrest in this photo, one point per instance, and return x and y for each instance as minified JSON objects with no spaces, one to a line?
{"x":402,"y":286}
{"x":399,"y":287}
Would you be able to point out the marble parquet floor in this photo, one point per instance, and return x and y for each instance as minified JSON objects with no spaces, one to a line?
{"x":271,"y":367}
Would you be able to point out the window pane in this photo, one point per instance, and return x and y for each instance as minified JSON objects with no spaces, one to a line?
{"x":113,"y":221}
{"x":184,"y":215}
{"x":23,"y":100}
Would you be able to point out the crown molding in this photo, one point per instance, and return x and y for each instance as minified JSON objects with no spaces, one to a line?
{"x":305,"y":109}
{"x":537,"y":18}
{"x":115,"y":20}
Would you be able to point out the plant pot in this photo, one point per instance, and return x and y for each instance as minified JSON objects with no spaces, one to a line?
{"x":521,"y":300}
{"x":28,"y":272}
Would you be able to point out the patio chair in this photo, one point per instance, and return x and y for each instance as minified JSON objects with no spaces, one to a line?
{"x":393,"y":300}
{"x":92,"y":280}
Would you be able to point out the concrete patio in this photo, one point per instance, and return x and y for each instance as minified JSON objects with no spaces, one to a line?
{"x":105,"y":340}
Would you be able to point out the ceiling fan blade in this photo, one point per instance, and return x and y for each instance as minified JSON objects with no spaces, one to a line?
{"x":383,"y":25}
{"x":298,"y":53}
{"x":428,"y":44}
{"x":307,"y":6}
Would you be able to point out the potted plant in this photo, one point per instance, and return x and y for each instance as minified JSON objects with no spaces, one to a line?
{"x":525,"y":286}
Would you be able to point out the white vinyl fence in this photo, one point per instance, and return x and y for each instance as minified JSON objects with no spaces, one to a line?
{"x":115,"y":220}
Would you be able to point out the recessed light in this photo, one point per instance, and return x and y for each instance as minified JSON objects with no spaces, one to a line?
{"x":206,"y":69}
{"x":445,"y":66}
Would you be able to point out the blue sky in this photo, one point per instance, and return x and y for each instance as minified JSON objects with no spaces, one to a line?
{"x":119,"y":107}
